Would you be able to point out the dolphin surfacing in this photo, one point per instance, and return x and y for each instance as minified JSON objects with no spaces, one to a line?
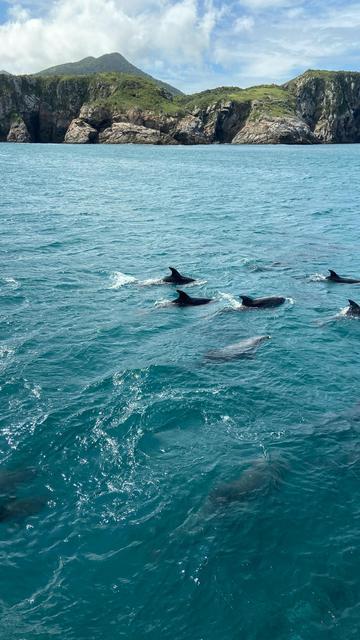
{"x":20,"y":508}
{"x":11,"y":479}
{"x":273,"y":301}
{"x":334,"y":277}
{"x":256,"y":480}
{"x":354,"y":309}
{"x":177,"y":278}
{"x":242,"y":349}
{"x":184,"y":300}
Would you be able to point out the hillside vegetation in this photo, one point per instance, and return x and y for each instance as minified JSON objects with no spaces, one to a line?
{"x":117,"y":107}
{"x":108,"y":63}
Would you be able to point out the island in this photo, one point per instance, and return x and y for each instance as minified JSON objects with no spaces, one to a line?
{"x":114,"y":107}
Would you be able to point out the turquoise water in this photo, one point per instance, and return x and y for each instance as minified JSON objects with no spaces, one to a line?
{"x":107,"y":397}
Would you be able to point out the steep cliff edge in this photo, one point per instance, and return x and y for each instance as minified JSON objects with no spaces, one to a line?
{"x":329,"y":102}
{"x":113,"y":108}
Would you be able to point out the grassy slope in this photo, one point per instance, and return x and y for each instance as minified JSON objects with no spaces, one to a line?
{"x":108,"y":63}
{"x":122,"y":91}
{"x":271,"y":99}
{"x":129,"y":91}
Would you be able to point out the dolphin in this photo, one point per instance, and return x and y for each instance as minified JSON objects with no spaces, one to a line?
{"x":354,"y":309}
{"x":274,"y":301}
{"x":256,"y":480}
{"x":177,"y":278}
{"x":10,"y":479}
{"x":187,"y":301}
{"x":334,"y":277}
{"x":20,"y":508}
{"x":242,"y":349}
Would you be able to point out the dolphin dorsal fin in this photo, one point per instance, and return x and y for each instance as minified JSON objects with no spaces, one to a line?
{"x":354,"y":305}
{"x":175,"y":272}
{"x":247,"y":300}
{"x":333,"y":273}
{"x":183,"y":297}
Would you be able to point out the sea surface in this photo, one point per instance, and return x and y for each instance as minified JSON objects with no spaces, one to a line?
{"x":118,"y":435}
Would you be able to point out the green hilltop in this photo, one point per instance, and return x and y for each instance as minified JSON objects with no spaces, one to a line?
{"x":110,"y":62}
{"x":128,"y":91}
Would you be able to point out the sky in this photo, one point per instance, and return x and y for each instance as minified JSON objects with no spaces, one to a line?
{"x":192,"y":44}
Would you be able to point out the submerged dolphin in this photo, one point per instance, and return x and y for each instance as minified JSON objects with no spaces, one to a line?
{"x":258,"y":479}
{"x":177,"y":278}
{"x":187,"y":301}
{"x":10,"y":479}
{"x":354,"y":309}
{"x":334,"y":277}
{"x":273,"y":301}
{"x":19,"y":508}
{"x":241,"y":349}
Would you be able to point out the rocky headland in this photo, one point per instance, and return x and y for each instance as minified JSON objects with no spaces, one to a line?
{"x":116,"y":108}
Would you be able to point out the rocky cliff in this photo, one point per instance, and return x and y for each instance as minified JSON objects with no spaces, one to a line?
{"x":316,"y":107}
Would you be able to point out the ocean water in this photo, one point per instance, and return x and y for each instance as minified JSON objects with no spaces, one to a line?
{"x":117,"y":436}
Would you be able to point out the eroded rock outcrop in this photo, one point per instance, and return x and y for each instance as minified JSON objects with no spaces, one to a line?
{"x":80,"y":132}
{"x":329,"y":102}
{"x":126,"y":132}
{"x":275,"y":130}
{"x":46,"y":106}
{"x":18,"y":132}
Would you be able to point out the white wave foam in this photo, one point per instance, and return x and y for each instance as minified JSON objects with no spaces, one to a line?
{"x":163,"y":303}
{"x":14,"y":284}
{"x":196,"y":283}
{"x":159,"y":281}
{"x":233,"y":302}
{"x":119,"y":279}
{"x":36,"y":391}
{"x":290,"y":300}
{"x":150,"y":282}
{"x":5,"y":352}
{"x":343,"y":312}
{"x":317,"y":277}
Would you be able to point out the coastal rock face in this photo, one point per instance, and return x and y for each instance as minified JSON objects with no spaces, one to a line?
{"x":96,"y":116}
{"x":126,"y":132}
{"x":329,"y":102}
{"x":275,"y":130}
{"x":80,"y":132}
{"x":318,"y":106}
{"x":228,"y":119}
{"x":190,"y":130}
{"x":18,"y":132}
{"x":46,"y":108}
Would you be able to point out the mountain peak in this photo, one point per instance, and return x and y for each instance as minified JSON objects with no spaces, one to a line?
{"x":109,"y":62}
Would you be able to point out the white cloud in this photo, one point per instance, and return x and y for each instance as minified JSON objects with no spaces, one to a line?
{"x":267,"y":4}
{"x":17,"y":13}
{"x":72,"y":29}
{"x":244,"y":23}
{"x":193,"y":44}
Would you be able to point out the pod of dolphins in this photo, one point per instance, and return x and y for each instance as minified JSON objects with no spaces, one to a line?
{"x":184,"y":300}
{"x":258,"y":477}
{"x":265,"y":473}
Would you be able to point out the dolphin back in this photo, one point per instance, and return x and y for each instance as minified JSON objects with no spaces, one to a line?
{"x":174,"y":272}
{"x":21,"y":508}
{"x":183,"y":297}
{"x":257,"y":479}
{"x":247,"y":300}
{"x":354,"y":307}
